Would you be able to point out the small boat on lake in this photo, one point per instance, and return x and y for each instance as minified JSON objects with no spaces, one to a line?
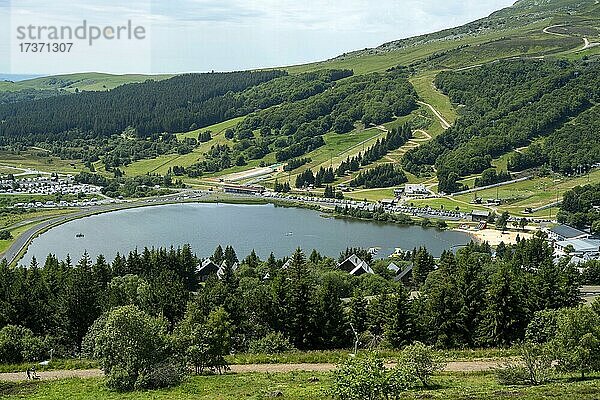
{"x":79,"y":235}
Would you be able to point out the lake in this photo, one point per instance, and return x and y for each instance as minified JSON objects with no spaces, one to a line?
{"x":264,"y":228}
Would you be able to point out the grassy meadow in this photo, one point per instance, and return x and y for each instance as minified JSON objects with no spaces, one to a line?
{"x":302,"y":386}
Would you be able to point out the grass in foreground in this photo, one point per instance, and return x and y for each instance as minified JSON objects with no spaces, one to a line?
{"x":301,"y":386}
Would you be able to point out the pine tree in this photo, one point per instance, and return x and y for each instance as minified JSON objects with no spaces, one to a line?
{"x":218,"y":255}
{"x":330,"y":318}
{"x":423,"y":264}
{"x":505,"y":317}
{"x":398,"y":327}
{"x":230,"y":257}
{"x":300,"y":305}
{"x":470,"y":292}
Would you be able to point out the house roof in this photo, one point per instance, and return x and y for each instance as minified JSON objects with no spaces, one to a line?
{"x":351,"y":263}
{"x":221,"y":270}
{"x":581,"y":245}
{"x":393,"y":267}
{"x":287,"y":264}
{"x":206,"y":266}
{"x":362,"y":268}
{"x":567,"y":231}
{"x":480,"y":213}
{"x":404,"y":272}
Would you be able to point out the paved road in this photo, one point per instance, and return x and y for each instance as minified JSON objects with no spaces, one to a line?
{"x":454,"y":366}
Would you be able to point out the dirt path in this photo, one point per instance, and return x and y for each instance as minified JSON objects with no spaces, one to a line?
{"x":454,"y":366}
{"x":587,"y":44}
{"x":427,"y":136}
{"x":547,"y":30}
{"x":445,"y":124}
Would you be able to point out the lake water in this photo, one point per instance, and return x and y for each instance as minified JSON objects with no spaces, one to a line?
{"x":264,"y":228}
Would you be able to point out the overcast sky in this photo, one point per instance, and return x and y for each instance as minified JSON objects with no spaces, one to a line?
{"x":204,"y":35}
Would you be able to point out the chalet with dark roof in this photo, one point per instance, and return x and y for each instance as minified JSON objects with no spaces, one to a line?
{"x":355,"y":266}
{"x":206,"y":269}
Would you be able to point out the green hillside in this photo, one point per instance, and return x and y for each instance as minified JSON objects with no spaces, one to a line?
{"x":301,"y":114}
{"x":513,"y":31}
{"x":81,"y":81}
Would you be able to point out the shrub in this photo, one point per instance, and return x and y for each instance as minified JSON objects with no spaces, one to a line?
{"x":18,"y":344}
{"x":421,"y":362}
{"x":367,"y":378}
{"x":130,"y":345}
{"x":119,"y":379}
{"x":577,"y":340}
{"x":165,"y":374}
{"x":533,"y":368}
{"x":205,"y":343}
{"x":542,"y":327}
{"x":88,"y":345}
{"x":272,"y":343}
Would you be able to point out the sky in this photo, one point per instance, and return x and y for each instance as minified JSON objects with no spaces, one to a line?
{"x":221,"y":35}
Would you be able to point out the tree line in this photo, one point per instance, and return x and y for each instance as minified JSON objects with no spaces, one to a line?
{"x":381,"y":176}
{"x":573,"y":148}
{"x":579,"y":207}
{"x":296,"y":128}
{"x":393,"y":140}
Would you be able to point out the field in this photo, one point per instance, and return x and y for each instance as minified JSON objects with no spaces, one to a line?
{"x":161,"y":165}
{"x":302,"y":386}
{"x":428,"y":93}
{"x":470,"y":50}
{"x":37,"y":160}
{"x":533,"y":193}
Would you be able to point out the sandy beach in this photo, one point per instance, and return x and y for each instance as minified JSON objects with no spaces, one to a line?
{"x":494,"y":237}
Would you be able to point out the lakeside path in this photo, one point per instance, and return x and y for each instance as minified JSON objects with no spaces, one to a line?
{"x":453,"y":366}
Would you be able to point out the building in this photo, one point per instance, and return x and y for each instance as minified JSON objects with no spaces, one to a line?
{"x":394,"y":268}
{"x":221,"y":270}
{"x":287,"y":264}
{"x":244,"y":189}
{"x":206,"y":269}
{"x":405,"y":275}
{"x":355,"y":266}
{"x":584,"y":248}
{"x":478,"y":215}
{"x":411,"y":189}
{"x":563,"y":232}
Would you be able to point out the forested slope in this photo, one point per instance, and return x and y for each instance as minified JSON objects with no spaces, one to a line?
{"x":504,"y":106}
{"x":150,"y":107}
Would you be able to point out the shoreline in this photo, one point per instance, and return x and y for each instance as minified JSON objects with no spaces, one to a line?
{"x":23,"y":241}
{"x":45,"y":225}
